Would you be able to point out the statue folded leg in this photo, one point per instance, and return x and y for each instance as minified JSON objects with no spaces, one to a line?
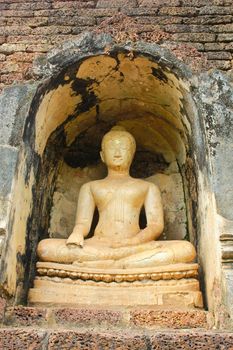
{"x":148,"y":254}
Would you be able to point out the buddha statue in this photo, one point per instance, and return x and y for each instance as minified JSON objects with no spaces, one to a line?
{"x":118,"y":242}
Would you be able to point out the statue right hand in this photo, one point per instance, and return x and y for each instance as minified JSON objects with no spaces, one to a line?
{"x":75,"y":239}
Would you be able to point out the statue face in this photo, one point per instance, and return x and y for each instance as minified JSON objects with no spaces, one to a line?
{"x":117,"y":152}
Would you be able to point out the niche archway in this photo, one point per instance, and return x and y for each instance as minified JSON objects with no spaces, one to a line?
{"x":68,"y":117}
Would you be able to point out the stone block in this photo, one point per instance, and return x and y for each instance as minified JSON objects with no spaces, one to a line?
{"x":191,"y":340}
{"x":8,"y":159}
{"x":14,"y":106}
{"x":169,"y":318}
{"x":25,"y":316}
{"x":11,"y":338}
{"x":97,"y":340}
{"x":85,"y":316}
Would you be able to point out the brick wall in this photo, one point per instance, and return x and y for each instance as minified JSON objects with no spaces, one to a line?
{"x":32,"y":27}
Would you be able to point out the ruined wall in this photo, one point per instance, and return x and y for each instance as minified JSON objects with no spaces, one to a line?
{"x":193,"y":29}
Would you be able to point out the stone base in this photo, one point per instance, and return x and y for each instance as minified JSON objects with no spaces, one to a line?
{"x":166,"y":286}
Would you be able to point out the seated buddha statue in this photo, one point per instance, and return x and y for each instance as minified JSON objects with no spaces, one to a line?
{"x":118,"y":241}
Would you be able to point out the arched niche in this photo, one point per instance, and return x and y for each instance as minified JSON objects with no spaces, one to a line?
{"x":69,"y":114}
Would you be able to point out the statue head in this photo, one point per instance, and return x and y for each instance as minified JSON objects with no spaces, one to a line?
{"x":118,"y":148}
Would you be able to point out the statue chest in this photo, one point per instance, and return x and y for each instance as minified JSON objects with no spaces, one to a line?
{"x":127,"y":196}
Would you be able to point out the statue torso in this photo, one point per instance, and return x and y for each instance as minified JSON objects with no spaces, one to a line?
{"x":119,"y":202}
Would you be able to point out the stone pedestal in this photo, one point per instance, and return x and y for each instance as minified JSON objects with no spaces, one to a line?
{"x":166,"y":286}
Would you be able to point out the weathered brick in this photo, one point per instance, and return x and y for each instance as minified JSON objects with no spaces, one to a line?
{"x":22,"y":30}
{"x":222,"y":28}
{"x":182,"y":28}
{"x":178,"y":11}
{"x":220,"y":64}
{"x":225,"y":37}
{"x":229,"y":47}
{"x":25,"y":316}
{"x":219,"y":55}
{"x":9,"y":67}
{"x":214,"y":46}
{"x":2,"y":308}
{"x":116,"y":3}
{"x":2,"y":39}
{"x":216,"y":10}
{"x":2,"y":57}
{"x":14,"y":13}
{"x":73,"y":4}
{"x":30,"y":5}
{"x":38,"y":48}
{"x":141,"y":12}
{"x":11,"y":338}
{"x":208,"y":19}
{"x":27,"y":39}
{"x":86,"y":316}
{"x":73,"y":21}
{"x":22,"y":57}
{"x":10,"y":48}
{"x":53,"y":30}
{"x":158,"y":3}
{"x":194,"y":3}
{"x":31,"y":22}
{"x":194,"y":37}
{"x":8,"y":79}
{"x":92,"y":340}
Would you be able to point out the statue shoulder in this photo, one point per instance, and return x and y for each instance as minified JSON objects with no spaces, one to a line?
{"x":153,"y":187}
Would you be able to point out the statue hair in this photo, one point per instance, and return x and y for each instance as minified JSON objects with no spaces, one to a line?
{"x":119,"y":131}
